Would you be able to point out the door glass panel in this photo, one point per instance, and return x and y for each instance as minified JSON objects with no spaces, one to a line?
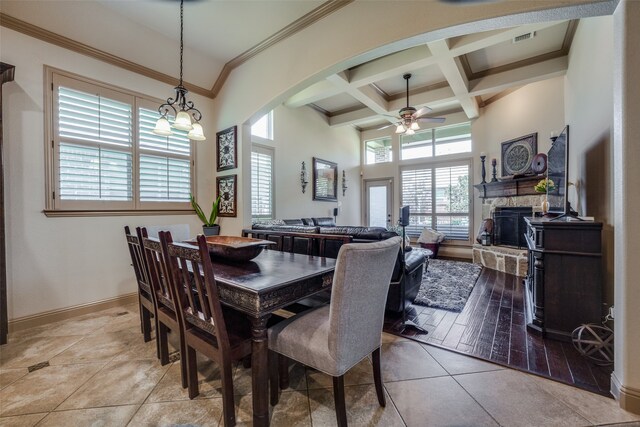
{"x":377,"y":206}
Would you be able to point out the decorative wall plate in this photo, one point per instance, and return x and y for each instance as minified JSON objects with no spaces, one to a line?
{"x":517,"y":154}
{"x":539,"y":163}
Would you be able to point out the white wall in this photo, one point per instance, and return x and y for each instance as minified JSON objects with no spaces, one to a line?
{"x":54,"y":263}
{"x":299,"y":135}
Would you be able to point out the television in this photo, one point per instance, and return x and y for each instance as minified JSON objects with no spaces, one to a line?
{"x":558,"y":172}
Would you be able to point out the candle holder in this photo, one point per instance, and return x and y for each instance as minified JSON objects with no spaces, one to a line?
{"x":484,"y":172}
{"x":493,"y":165}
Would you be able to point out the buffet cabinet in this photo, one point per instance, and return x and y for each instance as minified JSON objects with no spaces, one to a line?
{"x":563,"y":286}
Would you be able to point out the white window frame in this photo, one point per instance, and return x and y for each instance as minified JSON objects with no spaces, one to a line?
{"x":364,"y":148}
{"x":433,"y":144}
{"x":54,"y":206}
{"x":434,"y":164}
{"x":270,"y":136}
{"x":265,"y":149}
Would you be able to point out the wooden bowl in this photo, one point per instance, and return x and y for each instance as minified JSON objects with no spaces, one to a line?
{"x":234,"y":248}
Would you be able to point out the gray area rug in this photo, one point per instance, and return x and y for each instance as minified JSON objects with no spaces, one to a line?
{"x":447,"y":284}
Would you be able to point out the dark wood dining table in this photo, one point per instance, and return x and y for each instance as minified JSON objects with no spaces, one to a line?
{"x":259,"y":287}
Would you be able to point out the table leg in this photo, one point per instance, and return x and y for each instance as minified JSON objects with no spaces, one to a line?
{"x":260,"y":371}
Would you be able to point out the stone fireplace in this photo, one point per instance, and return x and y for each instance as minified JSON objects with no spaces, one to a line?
{"x":509,"y":226}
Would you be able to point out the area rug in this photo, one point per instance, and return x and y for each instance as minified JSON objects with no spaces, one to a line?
{"x":447,"y":284}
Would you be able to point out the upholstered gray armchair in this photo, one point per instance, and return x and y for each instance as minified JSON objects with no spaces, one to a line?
{"x":334,"y":338}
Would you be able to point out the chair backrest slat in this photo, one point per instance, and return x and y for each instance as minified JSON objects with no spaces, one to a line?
{"x":157,"y":270}
{"x":137,"y":260}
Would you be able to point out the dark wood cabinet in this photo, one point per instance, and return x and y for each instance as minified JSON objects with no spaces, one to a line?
{"x":564,"y":278}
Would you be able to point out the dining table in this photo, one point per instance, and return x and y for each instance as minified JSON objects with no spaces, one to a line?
{"x":258,"y":288}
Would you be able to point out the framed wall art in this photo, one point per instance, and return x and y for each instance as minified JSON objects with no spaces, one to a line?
{"x":325,"y":180}
{"x":226,"y":148}
{"x":228,"y":191}
{"x":517,"y":155}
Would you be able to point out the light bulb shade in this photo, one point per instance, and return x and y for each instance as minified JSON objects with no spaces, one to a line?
{"x":162,"y":127}
{"x":196,"y":133}
{"x":400,"y":129}
{"x":183,"y":121}
{"x":415,"y":126}
{"x":410,"y":132}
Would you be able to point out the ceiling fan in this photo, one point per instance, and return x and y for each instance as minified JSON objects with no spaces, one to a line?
{"x":409,"y":116}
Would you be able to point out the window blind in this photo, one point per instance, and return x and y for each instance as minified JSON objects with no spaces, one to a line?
{"x":262,"y":183}
{"x":417,"y":193}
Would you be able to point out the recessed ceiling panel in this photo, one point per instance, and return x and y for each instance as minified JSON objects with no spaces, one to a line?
{"x":419,"y":78}
{"x":339,"y":102}
{"x":545,"y":41}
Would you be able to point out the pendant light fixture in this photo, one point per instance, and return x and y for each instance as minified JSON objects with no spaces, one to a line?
{"x":187,"y":109}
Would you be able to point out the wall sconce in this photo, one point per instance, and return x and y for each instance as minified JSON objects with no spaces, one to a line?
{"x":304,"y":178}
{"x":344,"y":183}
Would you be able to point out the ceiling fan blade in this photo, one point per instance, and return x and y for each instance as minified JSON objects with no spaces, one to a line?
{"x":431,"y":119}
{"x":390,"y":116}
{"x":421,"y":112}
{"x":387,"y":126}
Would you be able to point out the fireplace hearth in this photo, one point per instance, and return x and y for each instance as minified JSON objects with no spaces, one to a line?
{"x":509,"y":226}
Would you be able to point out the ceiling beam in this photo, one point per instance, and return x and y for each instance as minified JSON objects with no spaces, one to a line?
{"x":352,"y":117}
{"x":391,"y":65}
{"x":366,"y":94}
{"x":316,"y":92}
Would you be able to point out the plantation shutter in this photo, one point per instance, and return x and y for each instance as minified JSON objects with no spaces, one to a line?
{"x":93,"y":136}
{"x":262,"y":183}
{"x":452,"y":201}
{"x":165,"y":163}
{"x":417,"y":193}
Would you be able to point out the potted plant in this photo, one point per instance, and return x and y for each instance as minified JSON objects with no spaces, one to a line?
{"x":209,"y":226}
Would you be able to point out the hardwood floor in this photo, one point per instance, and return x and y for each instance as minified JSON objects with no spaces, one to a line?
{"x":492,"y":327}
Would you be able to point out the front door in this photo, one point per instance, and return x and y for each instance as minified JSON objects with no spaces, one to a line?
{"x":378,"y":195}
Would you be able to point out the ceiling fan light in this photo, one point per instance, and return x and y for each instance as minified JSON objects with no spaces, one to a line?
{"x":410,"y":132}
{"x":400,"y":129}
{"x":163,"y":127}
{"x":197,"y":134}
{"x":183,"y":121}
{"x":414,"y":126}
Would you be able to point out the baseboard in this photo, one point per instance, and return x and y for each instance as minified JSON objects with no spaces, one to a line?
{"x":51,"y":316}
{"x":627,"y":397}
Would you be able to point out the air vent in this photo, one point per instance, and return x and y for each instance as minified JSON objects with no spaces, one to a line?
{"x":523,"y":37}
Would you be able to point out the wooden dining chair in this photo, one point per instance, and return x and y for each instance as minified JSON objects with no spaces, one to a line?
{"x":167,"y":318}
{"x":204,"y":323}
{"x":334,"y":338}
{"x":146,"y":303}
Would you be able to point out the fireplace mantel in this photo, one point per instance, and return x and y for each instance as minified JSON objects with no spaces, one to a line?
{"x":510,"y":187}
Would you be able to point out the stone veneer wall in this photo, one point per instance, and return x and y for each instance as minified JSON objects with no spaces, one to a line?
{"x":501,"y":258}
{"x":489,"y":205}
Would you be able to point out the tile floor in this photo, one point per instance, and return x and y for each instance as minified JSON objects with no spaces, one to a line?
{"x":96,"y":370}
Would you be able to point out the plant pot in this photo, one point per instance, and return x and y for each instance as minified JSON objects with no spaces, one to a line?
{"x":214,"y":230}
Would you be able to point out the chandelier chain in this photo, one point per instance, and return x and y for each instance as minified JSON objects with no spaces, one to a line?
{"x":181,"y":36}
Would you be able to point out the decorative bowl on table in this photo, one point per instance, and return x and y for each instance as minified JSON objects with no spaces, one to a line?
{"x":234,"y":248}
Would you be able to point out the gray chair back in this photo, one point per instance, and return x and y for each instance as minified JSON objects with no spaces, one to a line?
{"x":358,"y":296}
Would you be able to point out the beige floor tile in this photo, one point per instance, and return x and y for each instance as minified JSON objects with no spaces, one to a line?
{"x":201,"y":413}
{"x":82,"y":325}
{"x":21,"y":420}
{"x":407,"y":361}
{"x":455,"y":363}
{"x":595,"y":408}
{"x":242,"y":379}
{"x":436,"y":402}
{"x":137,"y":349}
{"x":389,"y":338}
{"x":631,"y":424}
{"x":96,"y":347}
{"x":292,"y":410}
{"x":30,"y":351}
{"x":8,"y":376}
{"x":111,"y":416}
{"x":43,"y":390}
{"x":362,"y":404}
{"x":129,"y":322}
{"x":514,"y":399}
{"x":170,"y":387}
{"x":360,"y":374}
{"x":118,"y":383}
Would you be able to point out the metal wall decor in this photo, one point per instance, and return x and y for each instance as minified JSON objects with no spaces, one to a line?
{"x":517,"y":155}
{"x":228,"y":191}
{"x":304,"y":178}
{"x":325,"y":180}
{"x":344,"y":183}
{"x":226,"y":149}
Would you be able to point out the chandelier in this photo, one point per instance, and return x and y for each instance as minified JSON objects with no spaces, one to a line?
{"x":187,"y":109}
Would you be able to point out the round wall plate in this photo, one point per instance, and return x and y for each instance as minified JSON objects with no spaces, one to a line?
{"x":539,"y":163}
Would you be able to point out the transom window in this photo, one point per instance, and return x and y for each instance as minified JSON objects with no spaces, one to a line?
{"x":440,"y":141}
{"x":263,"y":128}
{"x":103,"y":155}
{"x":378,"y":151}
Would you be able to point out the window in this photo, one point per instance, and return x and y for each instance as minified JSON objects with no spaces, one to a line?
{"x":439,"y":198}
{"x":440,"y":141}
{"x":378,"y":151}
{"x":263,"y":128}
{"x":262,"y":199}
{"x":104,"y":156}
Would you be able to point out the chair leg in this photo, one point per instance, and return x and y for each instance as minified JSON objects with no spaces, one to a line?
{"x":146,"y":323}
{"x":377,"y":377}
{"x":273,"y":378}
{"x":163,"y":343}
{"x":338,"y":398}
{"x":228,"y":404}
{"x":157,"y":326}
{"x":140,"y":312}
{"x":183,"y":361}
{"x":192,"y":372}
{"x":283,"y":371}
{"x":246,"y":362}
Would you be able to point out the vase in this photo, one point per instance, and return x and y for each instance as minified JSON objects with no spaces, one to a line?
{"x":545,"y":205}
